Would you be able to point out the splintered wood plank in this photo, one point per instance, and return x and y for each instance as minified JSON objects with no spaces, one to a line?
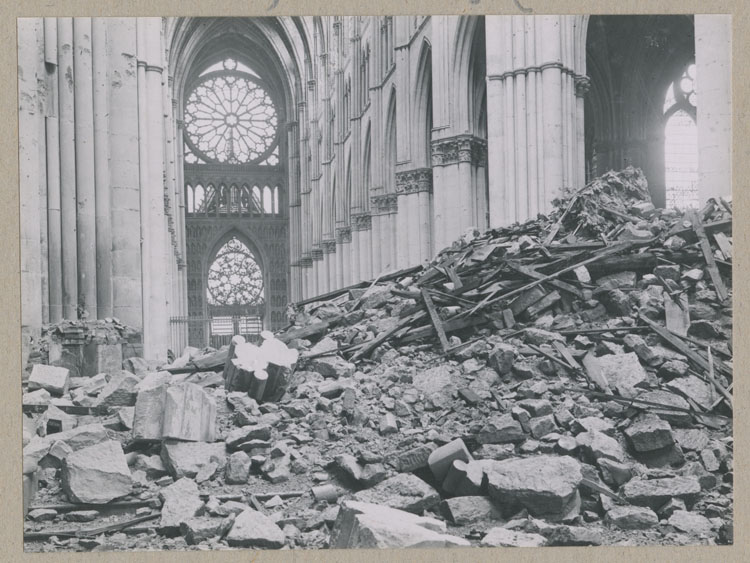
{"x":725,"y":245}
{"x":708,"y":255}
{"x":544,"y":303}
{"x":565,"y":353}
{"x":677,"y":315}
{"x":530,"y":272}
{"x":457,"y":283}
{"x":436,"y":321}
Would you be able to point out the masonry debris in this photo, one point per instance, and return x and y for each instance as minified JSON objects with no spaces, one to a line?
{"x":566,"y":381}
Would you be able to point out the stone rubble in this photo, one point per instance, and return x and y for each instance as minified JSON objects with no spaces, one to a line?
{"x":540,"y":400}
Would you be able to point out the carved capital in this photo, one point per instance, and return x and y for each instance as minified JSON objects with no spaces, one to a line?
{"x":385,"y":203}
{"x":343,"y":234}
{"x":582,"y":85}
{"x":317,"y":253}
{"x":329,"y":246}
{"x":414,"y":181}
{"x":461,"y":148}
{"x":306,"y":261}
{"x":362,"y":221}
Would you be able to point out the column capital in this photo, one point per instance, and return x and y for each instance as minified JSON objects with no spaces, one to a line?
{"x":461,"y":148}
{"x":362,"y":221}
{"x":582,"y":85}
{"x":384,"y":203}
{"x":343,"y":234}
{"x":414,"y":181}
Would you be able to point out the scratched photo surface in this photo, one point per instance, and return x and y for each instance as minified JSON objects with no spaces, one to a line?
{"x":376,"y":281}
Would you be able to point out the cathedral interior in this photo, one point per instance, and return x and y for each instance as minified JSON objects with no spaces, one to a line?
{"x":191,"y":177}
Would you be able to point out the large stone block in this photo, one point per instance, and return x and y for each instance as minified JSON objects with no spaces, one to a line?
{"x":181,"y":502}
{"x":96,"y":474}
{"x":415,"y":458}
{"x":469,"y":509}
{"x":648,"y":433}
{"x":367,"y":525}
{"x":656,"y":492}
{"x":443,"y":457}
{"x":623,"y":372}
{"x":189,"y":414}
{"x":254,"y":529}
{"x":56,"y":380}
{"x":149,"y":413}
{"x":545,"y":485}
{"x":186,"y":459}
{"x":501,"y":429}
{"x":403,"y":491}
{"x":120,"y":390}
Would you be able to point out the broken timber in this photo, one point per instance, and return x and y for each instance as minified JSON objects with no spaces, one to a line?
{"x":713,"y":271}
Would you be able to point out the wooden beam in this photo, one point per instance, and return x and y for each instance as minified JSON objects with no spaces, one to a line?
{"x":436,"y":321}
{"x":713,"y":271}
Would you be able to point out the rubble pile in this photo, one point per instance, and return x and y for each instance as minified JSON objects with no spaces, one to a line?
{"x":566,"y":381}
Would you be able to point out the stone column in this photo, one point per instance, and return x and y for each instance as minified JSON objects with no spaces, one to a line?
{"x":153,"y":223}
{"x":31,"y":176}
{"x":344,"y":245}
{"x":84,"y":161}
{"x":413,"y":189}
{"x":101,"y":169}
{"x":713,"y":58}
{"x":67,"y":169}
{"x":124,"y":173}
{"x":52,"y":134}
{"x":535,"y":141}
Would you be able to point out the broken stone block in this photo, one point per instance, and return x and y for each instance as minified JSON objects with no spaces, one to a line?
{"x":238,"y":468}
{"x":202,"y":528}
{"x":669,"y":508}
{"x":469,"y":509}
{"x":669,"y":399}
{"x":616,"y":302}
{"x":655,"y":492}
{"x":120,"y":391}
{"x":433,"y":380}
{"x":592,"y":424}
{"x":349,"y":465}
{"x":42,"y":514}
{"x":536,"y":407}
{"x":372,"y":474}
{"x":495,"y":451}
{"x":503,"y":537}
{"x":598,"y":445}
{"x":542,"y":425}
{"x":624,"y":373}
{"x":38,"y":397}
{"x":55,"y":380}
{"x":443,"y":457}
{"x":673,"y":368}
{"x":185,"y":459}
{"x":332,"y":366}
{"x":545,"y":485}
{"x":648,"y":355}
{"x":710,"y":462}
{"x":366,"y":525}
{"x":415,"y":458}
{"x":632,"y":517}
{"x":690,"y":522}
{"x":614,"y":473}
{"x":245,"y":434}
{"x":181,"y":502}
{"x":254,"y":529}
{"x":189,"y":414}
{"x":388,"y":424}
{"x":573,"y":536}
{"x":403,"y":491}
{"x":649,"y":432}
{"x":96,"y":474}
{"x":148,"y":416}
{"x":501,"y":429}
{"x":125,"y":416}
{"x":151,"y":465}
{"x":501,"y":358}
{"x":695,"y":389}
{"x":58,"y":421}
{"x":691,"y":439}
{"x":81,"y":516}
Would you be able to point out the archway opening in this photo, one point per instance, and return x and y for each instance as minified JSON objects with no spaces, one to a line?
{"x":681,"y":141}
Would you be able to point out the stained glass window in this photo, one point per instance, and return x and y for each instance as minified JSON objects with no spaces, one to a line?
{"x":234,"y":277}
{"x":230,"y":118}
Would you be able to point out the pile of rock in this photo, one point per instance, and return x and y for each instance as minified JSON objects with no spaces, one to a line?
{"x":532,"y":386}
